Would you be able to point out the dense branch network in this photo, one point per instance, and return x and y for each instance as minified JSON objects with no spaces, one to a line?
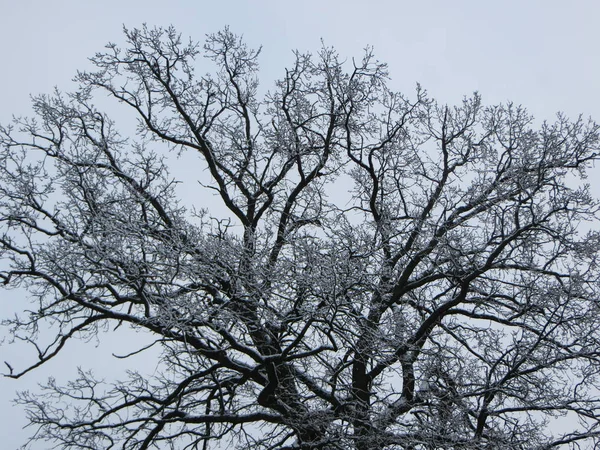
{"x":444,"y":297}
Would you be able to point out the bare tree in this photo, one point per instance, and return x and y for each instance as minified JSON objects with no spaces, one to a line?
{"x":445,"y":297}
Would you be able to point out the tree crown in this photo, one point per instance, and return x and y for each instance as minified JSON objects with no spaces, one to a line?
{"x":383,"y":272}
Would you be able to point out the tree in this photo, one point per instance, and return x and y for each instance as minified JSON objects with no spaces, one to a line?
{"x":383,"y":272}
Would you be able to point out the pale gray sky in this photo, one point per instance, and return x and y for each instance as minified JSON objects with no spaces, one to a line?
{"x":540,"y":53}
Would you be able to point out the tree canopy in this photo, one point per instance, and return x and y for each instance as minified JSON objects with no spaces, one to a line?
{"x":384,"y":272}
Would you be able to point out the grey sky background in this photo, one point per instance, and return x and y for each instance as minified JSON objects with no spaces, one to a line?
{"x":539,"y":53}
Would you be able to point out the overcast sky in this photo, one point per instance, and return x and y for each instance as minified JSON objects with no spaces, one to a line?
{"x":542,"y":54}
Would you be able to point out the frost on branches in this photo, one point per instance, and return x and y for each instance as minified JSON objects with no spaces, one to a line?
{"x":383,"y":272}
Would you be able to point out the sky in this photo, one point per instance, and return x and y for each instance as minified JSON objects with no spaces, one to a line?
{"x":542,"y":54}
